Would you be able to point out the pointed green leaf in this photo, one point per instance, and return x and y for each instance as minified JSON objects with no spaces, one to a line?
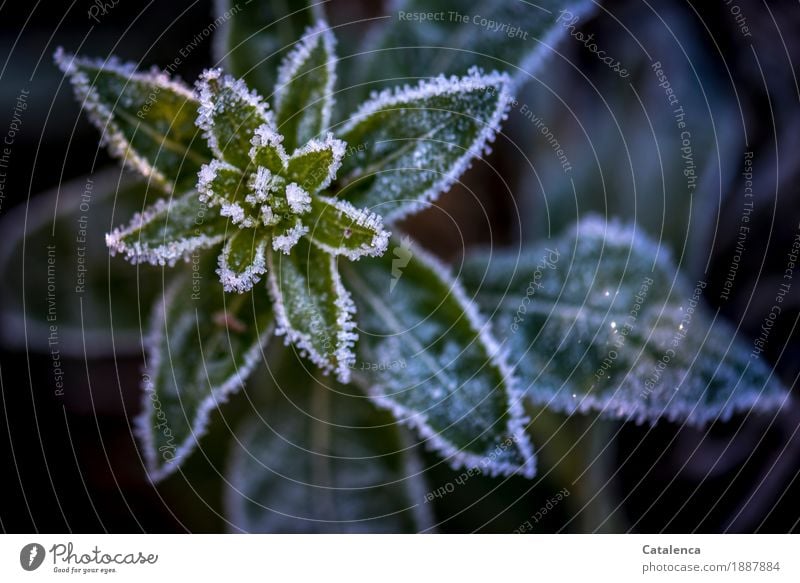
{"x":147,"y":120}
{"x":218,"y":182}
{"x":304,"y":90}
{"x":319,"y":459}
{"x":267,"y":149}
{"x":53,"y":262}
{"x":339,"y":228}
{"x":202,"y":347}
{"x":418,"y":141}
{"x":242,"y":261}
{"x":253,"y":37}
{"x":312,"y":307}
{"x":599,"y":320}
{"x":167,"y":231}
{"x":314,"y":165}
{"x":229,"y":115}
{"x":456,"y":389}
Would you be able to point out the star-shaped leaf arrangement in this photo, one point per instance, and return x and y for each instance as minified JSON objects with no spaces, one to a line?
{"x":280,"y":192}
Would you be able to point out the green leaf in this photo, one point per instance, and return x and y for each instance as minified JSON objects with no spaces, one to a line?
{"x":255,"y":36}
{"x":242,"y":261}
{"x":304,"y":89}
{"x":411,"y":144}
{"x":202,"y":347}
{"x":55,"y":271}
{"x":312,"y":307}
{"x":229,"y":115}
{"x":147,"y":120}
{"x":600,"y":320}
{"x":315,"y":165}
{"x":167,"y":231}
{"x":513,"y":36}
{"x":319,"y":459}
{"x":339,"y":228}
{"x":456,"y":389}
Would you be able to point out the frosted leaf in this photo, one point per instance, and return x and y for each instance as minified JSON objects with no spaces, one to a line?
{"x":167,"y":231}
{"x":339,"y":228}
{"x":236,"y":213}
{"x":602,"y":314}
{"x":218,"y":181}
{"x":289,"y":238}
{"x":266,"y":149}
{"x":516,"y":36}
{"x":146,"y":119}
{"x":242,"y":261}
{"x":304,"y":89}
{"x":264,"y":185}
{"x":253,"y":37}
{"x":457,"y":389}
{"x":201,"y":348}
{"x":299,"y":200}
{"x":419,"y":140}
{"x":314,"y":166}
{"x":229,"y":115}
{"x":313,"y":309}
{"x":319,"y":459}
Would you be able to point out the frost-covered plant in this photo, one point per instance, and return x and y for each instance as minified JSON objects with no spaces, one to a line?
{"x":270,"y":186}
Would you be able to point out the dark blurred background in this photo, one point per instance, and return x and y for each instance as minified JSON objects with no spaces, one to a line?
{"x":70,"y":462}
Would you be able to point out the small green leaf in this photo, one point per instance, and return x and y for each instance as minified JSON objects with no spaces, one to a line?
{"x":255,"y":36}
{"x":147,"y":120}
{"x":456,"y":389}
{"x":267,"y":149}
{"x":599,"y":320}
{"x":167,"y":231}
{"x":418,"y":141}
{"x":339,"y":228}
{"x":314,"y":165}
{"x":242,"y":261}
{"x":203,"y":345}
{"x":229,"y":115}
{"x":304,"y":89}
{"x":218,"y":182}
{"x":312,"y":307}
{"x":319,"y":459}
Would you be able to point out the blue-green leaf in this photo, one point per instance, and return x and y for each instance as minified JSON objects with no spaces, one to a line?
{"x":600,"y":320}
{"x":456,"y":389}
{"x":411,"y":144}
